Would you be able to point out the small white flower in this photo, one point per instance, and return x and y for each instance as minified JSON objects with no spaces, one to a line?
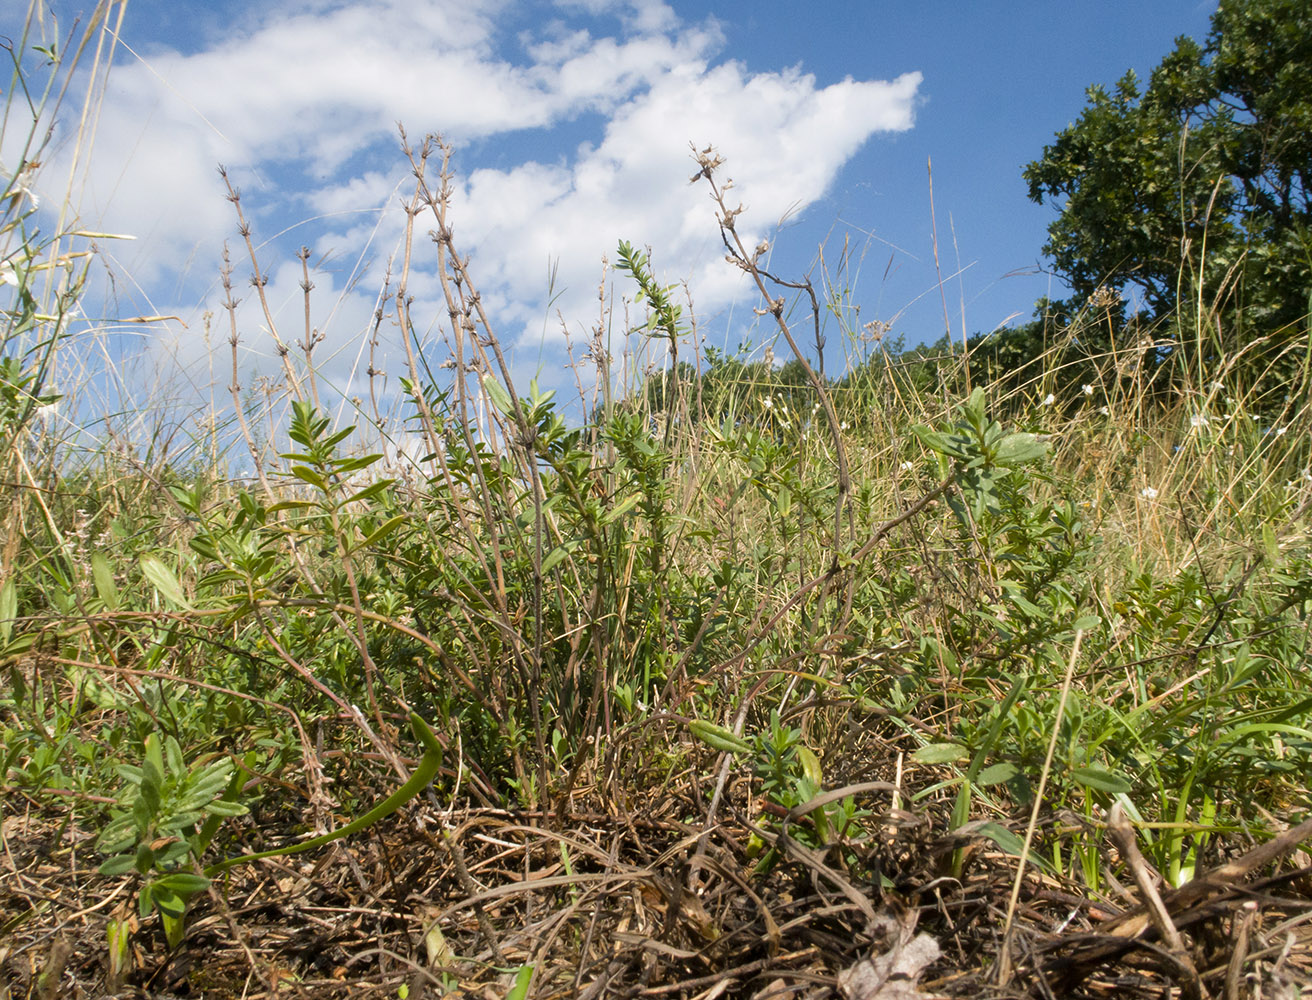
{"x":1217,"y":387}
{"x":8,"y":276}
{"x":844,"y":426}
{"x":1049,"y":399}
{"x":1198,"y":420}
{"x":1148,"y":493}
{"x":907,"y":466}
{"x":1281,"y":430}
{"x":768,"y":402}
{"x":1104,"y":411}
{"x":1087,"y":389}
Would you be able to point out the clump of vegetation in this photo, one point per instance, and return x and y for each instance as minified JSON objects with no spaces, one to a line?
{"x":705,"y":685}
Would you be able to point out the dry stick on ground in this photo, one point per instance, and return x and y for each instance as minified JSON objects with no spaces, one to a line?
{"x":1121,"y":933}
{"x":1243,"y":924}
{"x":1122,"y":832}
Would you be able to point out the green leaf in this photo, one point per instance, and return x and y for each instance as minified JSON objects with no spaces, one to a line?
{"x":152,"y":764}
{"x":522,"y":980}
{"x":164,"y":581}
{"x":169,"y":903}
{"x":369,"y":492}
{"x":183,"y":883}
{"x":940,"y":753}
{"x":997,"y":774}
{"x":18,"y":646}
{"x":345,"y":466}
{"x":1101,"y":780}
{"x":102,"y":576}
{"x":1008,"y":841}
{"x":308,"y":475}
{"x":173,"y":755}
{"x":936,"y":441}
{"x":810,"y":765}
{"x":9,"y":608}
{"x":291,"y":505}
{"x":1018,"y":449}
{"x":119,"y":865}
{"x":380,"y":532}
{"x":499,"y":397}
{"x":613,"y":514}
{"x":1270,"y":546}
{"x":553,"y":558}
{"x":222,"y":807}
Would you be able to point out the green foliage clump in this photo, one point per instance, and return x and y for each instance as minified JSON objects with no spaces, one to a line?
{"x":1194,"y":190}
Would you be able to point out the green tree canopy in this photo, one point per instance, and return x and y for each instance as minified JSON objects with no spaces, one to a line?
{"x":1200,"y":182}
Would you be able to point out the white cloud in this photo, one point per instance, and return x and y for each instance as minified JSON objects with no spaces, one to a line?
{"x":303,"y":107}
{"x":784,"y":138}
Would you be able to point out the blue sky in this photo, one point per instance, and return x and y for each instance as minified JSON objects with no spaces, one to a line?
{"x":571,"y":122}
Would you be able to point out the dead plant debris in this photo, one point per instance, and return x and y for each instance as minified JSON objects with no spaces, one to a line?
{"x":610,"y":906}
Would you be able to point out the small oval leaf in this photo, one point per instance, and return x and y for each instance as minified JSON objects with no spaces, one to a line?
{"x":940,"y":753}
{"x":997,"y":774}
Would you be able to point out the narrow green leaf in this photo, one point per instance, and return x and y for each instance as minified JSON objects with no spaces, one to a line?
{"x":152,"y":764}
{"x":522,"y":980}
{"x":119,"y":865}
{"x":164,"y":581}
{"x":499,"y":397}
{"x":183,"y":883}
{"x":9,"y":608}
{"x":102,"y":575}
{"x":620,"y":509}
{"x":308,"y":475}
{"x":1008,"y":841}
{"x":222,"y":807}
{"x":1101,"y":780}
{"x":370,"y":491}
{"x":553,"y":558}
{"x":940,"y":753}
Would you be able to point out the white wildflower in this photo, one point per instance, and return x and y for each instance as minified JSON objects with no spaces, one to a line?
{"x":1281,"y":431}
{"x":1104,"y":411}
{"x":907,"y":466}
{"x":1087,"y":389}
{"x":1148,"y":493}
{"x":1198,"y":420}
{"x":1049,"y":399}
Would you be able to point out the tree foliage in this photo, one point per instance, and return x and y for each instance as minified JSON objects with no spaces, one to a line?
{"x":1198,"y":184}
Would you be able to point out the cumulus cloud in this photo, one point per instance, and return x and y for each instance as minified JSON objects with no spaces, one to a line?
{"x":302,"y":107}
{"x":784,"y":138}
